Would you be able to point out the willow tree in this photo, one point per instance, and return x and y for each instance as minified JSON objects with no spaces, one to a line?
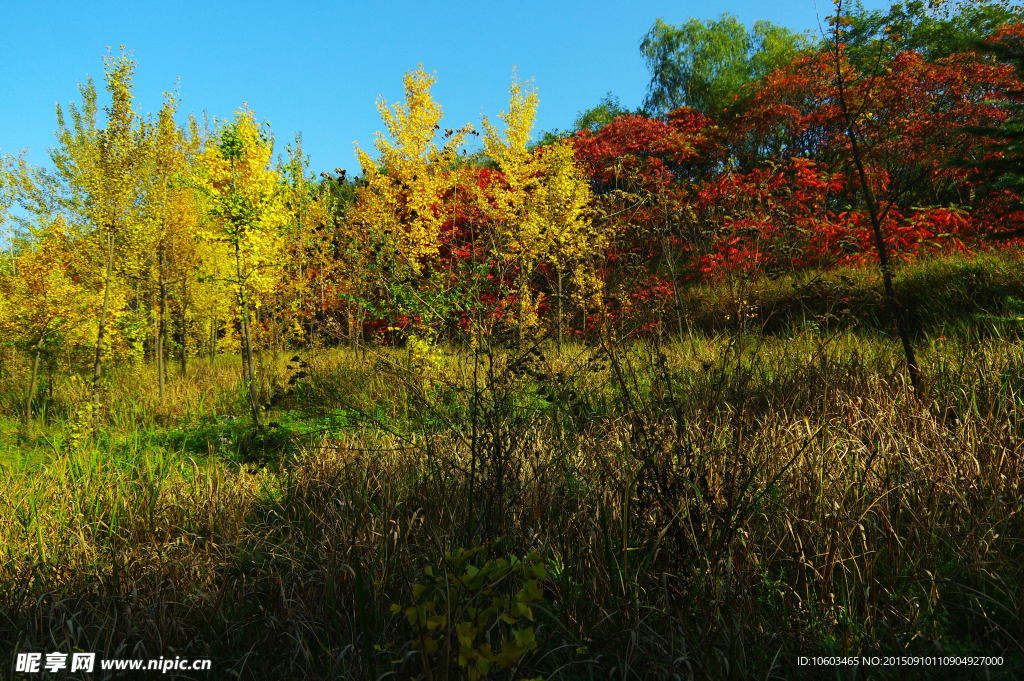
{"x":705,"y":64}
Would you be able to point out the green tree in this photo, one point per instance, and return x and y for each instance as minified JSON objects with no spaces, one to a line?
{"x":7,"y":199}
{"x":936,"y":29}
{"x":704,"y":64}
{"x":596,"y":117}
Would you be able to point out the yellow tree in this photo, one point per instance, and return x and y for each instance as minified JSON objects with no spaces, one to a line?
{"x":400,"y":209}
{"x":538,"y":211}
{"x":405,"y":186}
{"x":182,"y":259}
{"x":243,"y":202}
{"x":97,"y":177}
{"x":47,"y":297}
{"x":212,"y":297}
{"x":114,"y":184}
{"x":567,"y":235}
{"x":174,"y":219}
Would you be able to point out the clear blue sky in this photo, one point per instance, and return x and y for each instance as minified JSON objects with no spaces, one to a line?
{"x":318,"y":68}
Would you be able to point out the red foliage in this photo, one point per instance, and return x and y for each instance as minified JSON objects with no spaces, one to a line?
{"x":771,"y":187}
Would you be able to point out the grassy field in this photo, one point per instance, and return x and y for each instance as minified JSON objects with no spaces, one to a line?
{"x":713,"y":506}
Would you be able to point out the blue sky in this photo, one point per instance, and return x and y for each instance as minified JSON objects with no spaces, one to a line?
{"x":318,"y":68}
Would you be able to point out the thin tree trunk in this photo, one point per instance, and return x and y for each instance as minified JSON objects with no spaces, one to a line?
{"x":671,"y":261}
{"x":892,"y":303}
{"x":247,"y":360}
{"x":360,"y":338}
{"x":559,"y":310}
{"x":523,"y":283}
{"x":351,"y":325}
{"x":213,"y":339}
{"x":161,"y":343}
{"x":154,"y":317}
{"x":184,"y":327}
{"x":98,"y":366}
{"x":138,"y":306}
{"x":32,"y":382}
{"x":274,"y":332}
{"x":258,"y":354}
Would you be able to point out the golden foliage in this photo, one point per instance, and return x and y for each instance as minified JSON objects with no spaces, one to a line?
{"x":240,"y":197}
{"x":401,"y":202}
{"x":539,"y":210}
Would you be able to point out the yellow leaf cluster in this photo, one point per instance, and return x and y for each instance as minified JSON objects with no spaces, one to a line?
{"x":402,"y":200}
{"x":242,"y":204}
{"x":539,"y":210}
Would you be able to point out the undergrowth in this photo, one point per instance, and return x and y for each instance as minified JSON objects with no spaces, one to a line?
{"x":715,"y":506}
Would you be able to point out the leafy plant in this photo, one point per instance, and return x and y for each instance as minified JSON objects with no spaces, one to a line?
{"x":476,"y":615}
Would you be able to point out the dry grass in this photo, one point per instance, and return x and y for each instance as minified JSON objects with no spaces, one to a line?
{"x":710,"y":511}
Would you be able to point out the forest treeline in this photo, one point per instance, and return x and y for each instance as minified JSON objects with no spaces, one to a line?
{"x":756,"y":152}
{"x":621,"y":401}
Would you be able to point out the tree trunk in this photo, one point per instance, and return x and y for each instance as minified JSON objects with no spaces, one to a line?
{"x":274,"y":331}
{"x":351,"y":325}
{"x":32,"y":383}
{"x":559,"y":310}
{"x":98,"y":366}
{"x":213,"y":339}
{"x":135,"y":310}
{"x":892,"y":303}
{"x":258,"y":354}
{"x":184,"y":327}
{"x":247,"y":361}
{"x":360,"y":339}
{"x":523,"y":283}
{"x":161,"y":342}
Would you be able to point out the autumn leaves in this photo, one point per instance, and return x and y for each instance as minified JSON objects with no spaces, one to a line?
{"x":426,"y":208}
{"x":151,"y":239}
{"x":146,"y":233}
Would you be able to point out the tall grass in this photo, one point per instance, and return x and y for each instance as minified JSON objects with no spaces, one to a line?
{"x":715,"y":507}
